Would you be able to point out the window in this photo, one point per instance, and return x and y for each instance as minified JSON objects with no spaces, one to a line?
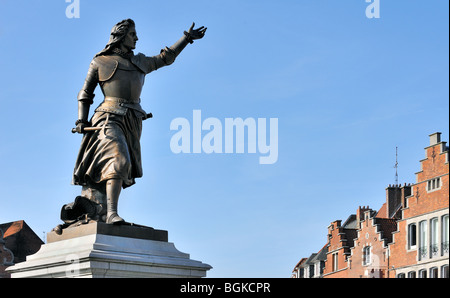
{"x":434,"y":246}
{"x":301,"y":272}
{"x":434,"y":184}
{"x":366,"y":255}
{"x":401,"y":275}
{"x":423,"y":243}
{"x":434,"y":272}
{"x":423,"y":273}
{"x":412,"y":274}
{"x":444,"y":271}
{"x":412,"y":236}
{"x":444,"y":243}
{"x":335,"y":261}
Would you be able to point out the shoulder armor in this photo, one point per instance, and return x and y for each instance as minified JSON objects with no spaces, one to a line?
{"x":140,"y":62}
{"x":106,"y":67}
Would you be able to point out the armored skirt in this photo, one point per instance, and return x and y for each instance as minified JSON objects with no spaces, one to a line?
{"x":111,"y":153}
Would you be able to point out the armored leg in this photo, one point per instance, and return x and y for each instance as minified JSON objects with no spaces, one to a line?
{"x":113,"y":188}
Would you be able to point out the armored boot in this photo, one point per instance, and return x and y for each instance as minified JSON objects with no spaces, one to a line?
{"x":111,"y":216}
{"x":113,"y":188}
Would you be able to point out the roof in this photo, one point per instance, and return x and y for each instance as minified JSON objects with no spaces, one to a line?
{"x":317,"y":257}
{"x":351,"y":222}
{"x":20,"y":239}
{"x":309,"y":261}
{"x":322,"y":254}
{"x":300,"y":263}
{"x":12,"y":228}
{"x":382,"y":213}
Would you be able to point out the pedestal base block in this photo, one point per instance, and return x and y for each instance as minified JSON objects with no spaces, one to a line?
{"x":98,"y":250}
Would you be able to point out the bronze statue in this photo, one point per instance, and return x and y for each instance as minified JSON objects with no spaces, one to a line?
{"x":110,"y":155}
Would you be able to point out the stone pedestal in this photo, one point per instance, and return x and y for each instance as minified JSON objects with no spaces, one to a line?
{"x":98,"y":250}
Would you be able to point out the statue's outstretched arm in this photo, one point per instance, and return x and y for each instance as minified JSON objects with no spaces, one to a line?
{"x":168,"y":55}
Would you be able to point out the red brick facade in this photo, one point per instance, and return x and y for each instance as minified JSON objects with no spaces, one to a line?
{"x":407,"y":237}
{"x":420,"y":245}
{"x":369,"y":255}
{"x":340,"y":240}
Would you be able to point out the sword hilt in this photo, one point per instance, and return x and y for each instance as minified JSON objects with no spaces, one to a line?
{"x":87,"y":129}
{"x":90,"y":129}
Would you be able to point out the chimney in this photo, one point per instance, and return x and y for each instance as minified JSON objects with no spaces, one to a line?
{"x":406,"y":191}
{"x":395,"y":198}
{"x":360,"y":214}
{"x":435,"y":138}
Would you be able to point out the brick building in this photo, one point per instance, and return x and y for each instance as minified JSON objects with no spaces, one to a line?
{"x":369,"y":256}
{"x":407,"y":237}
{"x":340,"y":240}
{"x":420,"y":244}
{"x":17,"y":241}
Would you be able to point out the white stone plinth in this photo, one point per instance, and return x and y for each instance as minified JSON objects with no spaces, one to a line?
{"x":106,"y":256}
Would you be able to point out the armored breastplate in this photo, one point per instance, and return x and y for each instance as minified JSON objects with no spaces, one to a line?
{"x":119,"y":79}
{"x":126,"y":81}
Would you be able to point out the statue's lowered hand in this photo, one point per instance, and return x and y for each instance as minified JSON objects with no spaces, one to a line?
{"x":80,"y":128}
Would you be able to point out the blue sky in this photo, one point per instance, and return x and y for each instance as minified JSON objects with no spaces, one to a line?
{"x":347,"y":90}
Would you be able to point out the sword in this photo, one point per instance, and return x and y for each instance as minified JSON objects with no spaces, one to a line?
{"x":91,"y":129}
